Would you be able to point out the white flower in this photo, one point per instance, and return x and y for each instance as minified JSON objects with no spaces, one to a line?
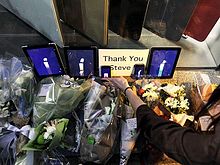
{"x":176,"y":100}
{"x":174,"y":90}
{"x":150,"y":86}
{"x":49,"y":131}
{"x":171,"y":102}
{"x":4,"y":110}
{"x":184,"y":104}
{"x":150,"y":95}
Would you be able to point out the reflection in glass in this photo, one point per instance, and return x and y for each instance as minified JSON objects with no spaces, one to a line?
{"x":126,"y":17}
{"x":89,"y":17}
{"x":169,"y":18}
{"x":203,"y":19}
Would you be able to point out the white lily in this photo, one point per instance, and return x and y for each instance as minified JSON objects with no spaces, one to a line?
{"x":50,"y":129}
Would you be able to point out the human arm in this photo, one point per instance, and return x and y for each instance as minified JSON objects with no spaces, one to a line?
{"x":122,"y":83}
{"x":182,"y":144}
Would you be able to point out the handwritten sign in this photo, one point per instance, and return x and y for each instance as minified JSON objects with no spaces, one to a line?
{"x":122,"y":60}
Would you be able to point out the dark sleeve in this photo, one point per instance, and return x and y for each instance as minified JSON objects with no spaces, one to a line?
{"x":180,"y":143}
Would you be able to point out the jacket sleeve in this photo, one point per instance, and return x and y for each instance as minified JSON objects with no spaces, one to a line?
{"x":180,"y":143}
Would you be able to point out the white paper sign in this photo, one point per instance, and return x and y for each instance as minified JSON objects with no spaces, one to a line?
{"x":122,"y":60}
{"x":131,"y":123}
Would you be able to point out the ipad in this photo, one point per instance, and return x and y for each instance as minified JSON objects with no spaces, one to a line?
{"x":162,"y":62}
{"x":81,"y":61}
{"x":45,"y":60}
{"x":138,"y":71}
{"x":105,"y":71}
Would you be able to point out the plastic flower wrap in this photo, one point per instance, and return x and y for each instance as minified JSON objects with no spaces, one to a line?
{"x":129,"y":134}
{"x":5,"y":91}
{"x":60,"y":97}
{"x":48,"y":135}
{"x":8,"y":147}
{"x":23,"y":88}
{"x":17,"y":83}
{"x":12,"y":139}
{"x":100,"y":124}
{"x":206,"y":82}
{"x":72,"y":137}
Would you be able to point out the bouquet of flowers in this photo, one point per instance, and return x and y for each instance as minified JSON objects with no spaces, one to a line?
{"x":171,"y":96}
{"x":129,"y":134}
{"x":149,"y":92}
{"x":17,"y":84}
{"x":60,"y":99}
{"x":100,"y":123}
{"x":48,"y":135}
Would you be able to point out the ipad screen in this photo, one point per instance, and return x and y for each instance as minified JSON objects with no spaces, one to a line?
{"x":81,"y":62}
{"x":45,"y":60}
{"x":162,"y":62}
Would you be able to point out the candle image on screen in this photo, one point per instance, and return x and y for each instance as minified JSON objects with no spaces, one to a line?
{"x":160,"y":72}
{"x":81,"y":67}
{"x":138,"y":70}
{"x":47,"y":66}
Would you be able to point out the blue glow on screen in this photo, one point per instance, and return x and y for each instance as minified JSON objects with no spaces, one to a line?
{"x":45,"y":61}
{"x":139,"y":71}
{"x":105,"y":72}
{"x":81,"y":62}
{"x":162,"y":63}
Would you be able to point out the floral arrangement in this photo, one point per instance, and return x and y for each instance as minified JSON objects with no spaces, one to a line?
{"x":171,"y":96}
{"x":174,"y":98}
{"x":48,"y":135}
{"x":150,"y":92}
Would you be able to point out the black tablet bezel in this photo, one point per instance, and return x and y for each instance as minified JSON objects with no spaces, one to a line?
{"x":150,"y":57}
{"x":49,"y":45}
{"x":95,"y":59}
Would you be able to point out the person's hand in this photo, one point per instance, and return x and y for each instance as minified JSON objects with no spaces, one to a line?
{"x":120,"y":82}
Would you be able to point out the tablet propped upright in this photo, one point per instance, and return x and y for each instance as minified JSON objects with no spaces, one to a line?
{"x":162,"y":62}
{"x":45,"y":60}
{"x":82,"y":62}
{"x":105,"y":71}
{"x":138,"y":71}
